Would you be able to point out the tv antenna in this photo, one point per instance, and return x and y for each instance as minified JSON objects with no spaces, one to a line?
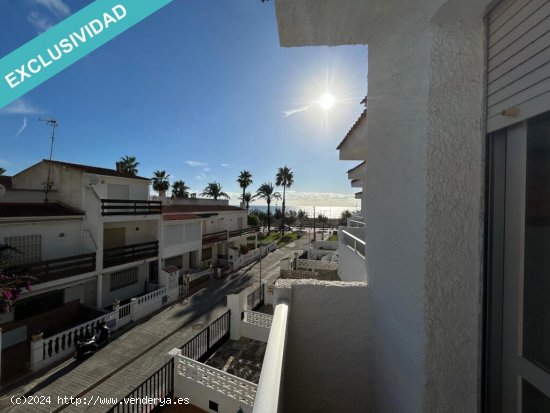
{"x":53,"y":123}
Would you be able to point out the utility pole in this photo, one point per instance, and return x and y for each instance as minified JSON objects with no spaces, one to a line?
{"x":314,"y":219}
{"x":53,"y":124}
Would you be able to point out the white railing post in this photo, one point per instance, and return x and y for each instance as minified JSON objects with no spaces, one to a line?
{"x":133,"y":309}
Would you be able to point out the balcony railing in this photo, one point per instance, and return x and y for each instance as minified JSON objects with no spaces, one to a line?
{"x":130,"y":253}
{"x":111,"y":207}
{"x":356,"y":244}
{"x":241,"y":232}
{"x":51,"y":270}
{"x":214,"y":237}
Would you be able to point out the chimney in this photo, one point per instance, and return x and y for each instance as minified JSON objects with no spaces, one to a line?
{"x":119,"y":167}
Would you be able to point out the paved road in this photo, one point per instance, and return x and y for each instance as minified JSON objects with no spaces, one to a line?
{"x":136,"y":354}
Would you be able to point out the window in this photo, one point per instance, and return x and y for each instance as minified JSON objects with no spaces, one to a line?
{"x":213,"y":405}
{"x":125,"y":278}
{"x":29,"y":249}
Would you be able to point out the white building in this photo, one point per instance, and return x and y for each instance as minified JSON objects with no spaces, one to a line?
{"x":454,"y":315}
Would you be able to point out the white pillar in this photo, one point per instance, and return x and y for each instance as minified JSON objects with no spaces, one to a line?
{"x":235,"y":302}
{"x":99,"y":292}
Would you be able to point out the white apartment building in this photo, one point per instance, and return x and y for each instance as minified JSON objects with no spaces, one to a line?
{"x":454,"y":314}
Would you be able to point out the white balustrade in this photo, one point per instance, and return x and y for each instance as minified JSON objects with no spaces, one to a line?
{"x":51,"y":349}
{"x":216,"y":380}
{"x":356,"y":244}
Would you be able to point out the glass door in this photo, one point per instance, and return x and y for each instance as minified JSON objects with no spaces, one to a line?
{"x":520,"y":275}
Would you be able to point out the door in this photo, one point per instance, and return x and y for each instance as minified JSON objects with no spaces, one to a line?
{"x":520,"y":274}
{"x":114,"y":237}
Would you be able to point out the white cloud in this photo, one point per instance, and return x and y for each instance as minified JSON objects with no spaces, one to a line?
{"x":40,"y":22}
{"x":195,"y":163}
{"x":291,"y":112}
{"x":23,"y":127}
{"x":201,"y":177}
{"x":57,"y":7}
{"x":21,"y":107}
{"x":225,"y":165}
{"x":206,"y":169}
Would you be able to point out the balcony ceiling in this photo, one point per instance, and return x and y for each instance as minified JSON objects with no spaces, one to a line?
{"x":358,"y":172}
{"x":357,"y":183}
{"x":354,"y":145}
{"x":347,"y":22}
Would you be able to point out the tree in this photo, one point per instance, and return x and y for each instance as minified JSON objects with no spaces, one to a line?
{"x":323,"y":219}
{"x":344,"y":217}
{"x":2,"y":171}
{"x":129,"y":164}
{"x":267,"y":192}
{"x":247,"y":198}
{"x":244,"y":180}
{"x":302,"y":216}
{"x":11,"y":285}
{"x":262,"y":216}
{"x":253,"y":220}
{"x":284,"y":177}
{"x":160,"y":182}
{"x":180,"y":190}
{"x":214,"y":190}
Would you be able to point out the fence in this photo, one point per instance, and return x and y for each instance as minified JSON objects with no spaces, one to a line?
{"x":255,"y":299}
{"x":251,"y":256}
{"x":124,"y":315}
{"x":49,"y":350}
{"x":232,"y":387}
{"x":316,"y":265}
{"x":257,"y":319}
{"x":356,"y":244}
{"x":154,"y":390}
{"x":205,"y":343}
{"x":148,"y":303}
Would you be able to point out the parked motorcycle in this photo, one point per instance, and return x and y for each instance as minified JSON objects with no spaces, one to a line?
{"x":85,"y":348}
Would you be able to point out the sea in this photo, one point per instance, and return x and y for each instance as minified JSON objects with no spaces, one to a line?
{"x":329,"y":211}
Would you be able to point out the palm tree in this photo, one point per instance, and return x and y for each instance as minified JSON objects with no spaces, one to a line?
{"x":284,"y":177}
{"x":247,"y":198}
{"x":160,"y":182}
{"x":302,"y":216}
{"x":214,"y":190}
{"x":129,"y":164}
{"x":266,"y":191}
{"x":2,"y":171}
{"x":244,"y":180}
{"x":323,"y":219}
{"x":180,"y":190}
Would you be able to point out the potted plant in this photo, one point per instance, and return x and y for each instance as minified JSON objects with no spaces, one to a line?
{"x":37,"y":335}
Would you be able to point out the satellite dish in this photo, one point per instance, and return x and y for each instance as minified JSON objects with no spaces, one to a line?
{"x":2,"y":190}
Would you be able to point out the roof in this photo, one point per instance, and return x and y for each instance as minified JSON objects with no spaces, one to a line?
{"x":179,"y":217}
{"x":356,"y":167}
{"x":19,"y":209}
{"x":199,"y":208}
{"x":97,"y":170}
{"x":5,"y":181}
{"x":355,"y":125}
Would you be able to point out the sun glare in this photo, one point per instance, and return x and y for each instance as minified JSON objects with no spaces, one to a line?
{"x":327,"y":101}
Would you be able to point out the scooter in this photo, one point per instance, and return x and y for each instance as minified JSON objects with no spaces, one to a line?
{"x":85,"y":348}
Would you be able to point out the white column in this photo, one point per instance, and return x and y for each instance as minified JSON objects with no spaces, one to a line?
{"x":99,"y":292}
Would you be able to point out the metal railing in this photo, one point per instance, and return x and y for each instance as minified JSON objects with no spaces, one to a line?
{"x":51,"y":270}
{"x":130,"y":253}
{"x":205,"y":343}
{"x":153,"y":391}
{"x":241,"y":232}
{"x":214,"y":237}
{"x":358,"y":245}
{"x":110,"y":207}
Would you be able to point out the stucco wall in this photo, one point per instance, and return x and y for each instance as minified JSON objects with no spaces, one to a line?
{"x":351,"y":266}
{"x":424,"y":211}
{"x":325,"y":365}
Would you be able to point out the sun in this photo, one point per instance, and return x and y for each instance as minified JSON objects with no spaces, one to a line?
{"x":327,"y":101}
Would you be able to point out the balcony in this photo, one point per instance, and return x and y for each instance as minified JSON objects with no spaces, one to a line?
{"x":130,"y":253}
{"x":113,"y":207}
{"x":241,"y":232}
{"x":56,"y":269}
{"x":214,"y":237}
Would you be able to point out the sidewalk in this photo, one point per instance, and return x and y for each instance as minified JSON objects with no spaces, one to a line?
{"x":135,"y":355}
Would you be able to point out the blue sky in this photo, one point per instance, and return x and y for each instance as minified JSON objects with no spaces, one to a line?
{"x":199,"y":89}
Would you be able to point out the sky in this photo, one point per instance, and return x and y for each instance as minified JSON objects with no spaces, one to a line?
{"x":200,"y":89}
